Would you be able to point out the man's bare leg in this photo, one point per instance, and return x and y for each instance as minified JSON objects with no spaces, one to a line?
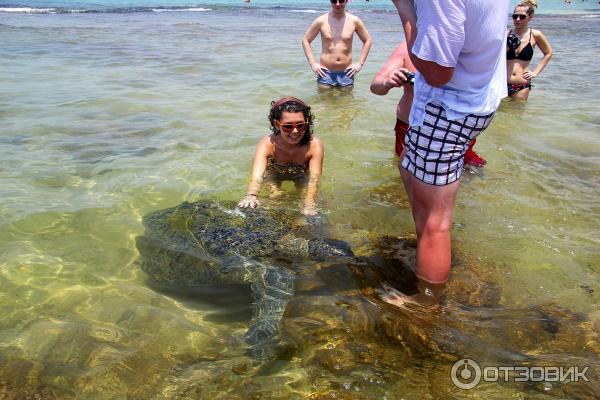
{"x":323,"y":88}
{"x":432,"y":208}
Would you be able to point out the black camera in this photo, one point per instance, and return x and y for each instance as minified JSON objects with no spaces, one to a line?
{"x":512,"y":41}
{"x":410,"y":77}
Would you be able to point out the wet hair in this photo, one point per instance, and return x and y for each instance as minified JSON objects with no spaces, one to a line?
{"x":530,"y":4}
{"x":291,"y":104}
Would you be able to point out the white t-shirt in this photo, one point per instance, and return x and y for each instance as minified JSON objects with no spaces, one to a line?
{"x":469,"y":35}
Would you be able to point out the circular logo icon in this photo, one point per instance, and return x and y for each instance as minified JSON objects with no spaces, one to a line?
{"x":465,"y":374}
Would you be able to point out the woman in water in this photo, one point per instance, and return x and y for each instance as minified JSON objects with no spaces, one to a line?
{"x":520,"y":43}
{"x":290,"y":152}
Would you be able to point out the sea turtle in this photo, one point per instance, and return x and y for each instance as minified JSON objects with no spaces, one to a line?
{"x":215,"y":242}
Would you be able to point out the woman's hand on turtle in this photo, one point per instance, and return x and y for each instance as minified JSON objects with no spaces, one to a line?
{"x":250,"y":201}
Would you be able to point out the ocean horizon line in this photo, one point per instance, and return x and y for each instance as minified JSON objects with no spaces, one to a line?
{"x":124,"y":7}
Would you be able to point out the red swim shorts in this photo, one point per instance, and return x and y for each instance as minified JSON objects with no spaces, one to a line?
{"x":401,"y":128}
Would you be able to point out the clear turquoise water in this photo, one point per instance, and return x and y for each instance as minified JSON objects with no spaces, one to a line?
{"x":106,"y":117}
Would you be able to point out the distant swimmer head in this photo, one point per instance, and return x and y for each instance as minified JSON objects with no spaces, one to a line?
{"x":292,"y":104}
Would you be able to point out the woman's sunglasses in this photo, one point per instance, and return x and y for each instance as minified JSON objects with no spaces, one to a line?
{"x":289,"y":126}
{"x":342,"y":2}
{"x":519,"y":16}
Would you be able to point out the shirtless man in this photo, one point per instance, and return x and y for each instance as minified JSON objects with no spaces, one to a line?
{"x":393,"y":74}
{"x":337,"y":27}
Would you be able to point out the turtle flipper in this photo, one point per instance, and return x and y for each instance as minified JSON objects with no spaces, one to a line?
{"x":272,"y":287}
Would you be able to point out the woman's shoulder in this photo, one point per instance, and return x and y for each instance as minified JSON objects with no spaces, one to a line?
{"x":315,"y":140}
{"x":315,"y":144}
{"x":538,"y":37}
{"x":536,"y":33}
{"x":267,"y":140}
{"x":266,"y":144}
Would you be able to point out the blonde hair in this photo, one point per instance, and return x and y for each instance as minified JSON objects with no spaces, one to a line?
{"x":530,"y":4}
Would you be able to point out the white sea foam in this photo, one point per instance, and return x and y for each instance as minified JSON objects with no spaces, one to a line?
{"x":193,"y":9}
{"x":26,"y":10}
{"x":235,"y":212}
{"x":305,"y":11}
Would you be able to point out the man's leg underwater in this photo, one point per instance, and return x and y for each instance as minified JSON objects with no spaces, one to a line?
{"x":432,"y":208}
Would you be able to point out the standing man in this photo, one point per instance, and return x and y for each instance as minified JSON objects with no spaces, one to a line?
{"x":337,"y":27}
{"x":392,"y":75}
{"x":459,"y":50}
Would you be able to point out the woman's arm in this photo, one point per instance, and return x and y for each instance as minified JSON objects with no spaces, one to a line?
{"x":263,"y":150}
{"x":315,"y":168}
{"x":544,"y":46}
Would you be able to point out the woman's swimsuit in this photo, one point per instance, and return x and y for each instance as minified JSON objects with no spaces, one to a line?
{"x":526,"y":54}
{"x":285,"y":172}
{"x":515,"y":87}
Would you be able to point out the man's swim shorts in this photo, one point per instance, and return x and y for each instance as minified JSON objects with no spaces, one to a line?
{"x":333,"y":78}
{"x":436,"y":150}
{"x":401,"y":128}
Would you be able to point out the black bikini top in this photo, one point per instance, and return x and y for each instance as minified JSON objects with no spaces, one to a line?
{"x":526,"y":53}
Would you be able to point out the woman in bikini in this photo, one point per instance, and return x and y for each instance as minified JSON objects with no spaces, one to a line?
{"x":290,"y":152}
{"x":519,"y":52}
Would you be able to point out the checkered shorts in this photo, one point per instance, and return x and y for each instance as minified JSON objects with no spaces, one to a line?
{"x":436,"y":150}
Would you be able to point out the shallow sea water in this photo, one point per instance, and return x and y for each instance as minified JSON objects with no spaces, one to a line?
{"x":106,"y":117}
